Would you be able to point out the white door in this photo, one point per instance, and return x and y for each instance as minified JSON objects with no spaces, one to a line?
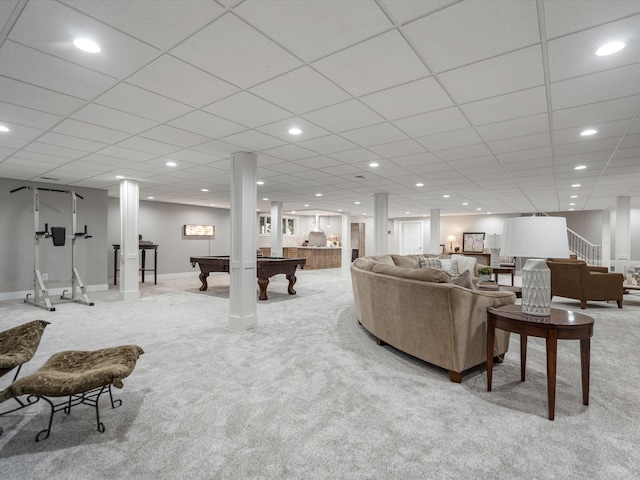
{"x":410,"y":238}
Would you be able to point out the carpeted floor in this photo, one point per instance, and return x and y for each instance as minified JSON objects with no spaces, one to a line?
{"x":309,"y":395}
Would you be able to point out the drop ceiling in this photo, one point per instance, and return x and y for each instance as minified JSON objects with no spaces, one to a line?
{"x":479,"y":100}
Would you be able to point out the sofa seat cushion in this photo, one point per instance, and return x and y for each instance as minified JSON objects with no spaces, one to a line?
{"x":421,"y":274}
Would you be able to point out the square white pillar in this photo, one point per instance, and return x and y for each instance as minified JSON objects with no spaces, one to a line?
{"x":276,"y":229}
{"x":242,"y":264}
{"x":129,"y":243}
{"x":434,"y":234}
{"x":380,"y":223}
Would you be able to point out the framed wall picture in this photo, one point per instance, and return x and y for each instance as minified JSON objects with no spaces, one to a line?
{"x":200,"y":230}
{"x":473,"y":242}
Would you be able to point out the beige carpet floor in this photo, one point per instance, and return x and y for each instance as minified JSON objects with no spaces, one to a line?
{"x":309,"y":395}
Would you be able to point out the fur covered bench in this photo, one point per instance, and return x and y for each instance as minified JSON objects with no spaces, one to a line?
{"x":82,"y":376}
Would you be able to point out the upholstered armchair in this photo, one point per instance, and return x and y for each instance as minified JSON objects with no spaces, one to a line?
{"x":575,"y":279}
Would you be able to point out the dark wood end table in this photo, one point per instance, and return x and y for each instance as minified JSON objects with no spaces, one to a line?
{"x":506,"y":270}
{"x":561,"y":324}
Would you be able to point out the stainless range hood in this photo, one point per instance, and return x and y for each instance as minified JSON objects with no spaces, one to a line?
{"x":317,"y":238}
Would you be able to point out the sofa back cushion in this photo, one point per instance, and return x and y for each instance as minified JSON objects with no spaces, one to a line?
{"x":465,"y":263}
{"x":421,"y":274}
{"x":405,"y":261}
{"x":386,"y":259}
{"x":364,"y":264}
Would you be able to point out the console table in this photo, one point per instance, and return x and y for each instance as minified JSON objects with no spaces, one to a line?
{"x":143,"y":268}
{"x":561,"y":324}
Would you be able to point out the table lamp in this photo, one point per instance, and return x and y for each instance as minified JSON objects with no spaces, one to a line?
{"x":540,"y":238}
{"x":451,"y":239}
{"x":492,"y":243}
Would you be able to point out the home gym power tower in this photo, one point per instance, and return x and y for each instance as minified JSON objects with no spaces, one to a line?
{"x":40,"y":293}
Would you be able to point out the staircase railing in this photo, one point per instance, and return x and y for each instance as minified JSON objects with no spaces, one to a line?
{"x":584,"y":249}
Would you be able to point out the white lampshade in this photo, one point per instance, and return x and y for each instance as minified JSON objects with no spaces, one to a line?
{"x":538,"y":237}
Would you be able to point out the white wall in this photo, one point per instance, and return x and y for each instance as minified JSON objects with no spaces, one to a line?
{"x":162,"y":223}
{"x":17,"y":237}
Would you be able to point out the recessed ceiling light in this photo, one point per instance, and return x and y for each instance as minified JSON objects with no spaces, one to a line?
{"x":573,"y":196}
{"x":407,"y":213}
{"x":212,"y":204}
{"x":374,"y":164}
{"x":150,"y":198}
{"x":306,"y":205}
{"x":465,"y":203}
{"x":265,"y":199}
{"x":610,"y":48}
{"x":357,"y":203}
{"x":419,"y":184}
{"x":445,"y":196}
{"x":572,"y":204}
{"x":580,"y":167}
{"x":295,"y":131}
{"x":171,"y":164}
{"x":576,"y":185}
{"x":4,"y":129}
{"x":478,"y":209}
{"x":571,"y":209}
{"x":339,"y":209}
{"x":86,"y":45}
{"x":204,"y":189}
{"x":259,"y":182}
{"x":588,"y":131}
{"x":293,"y":211}
{"x":318,"y":194}
{"x":120,"y":177}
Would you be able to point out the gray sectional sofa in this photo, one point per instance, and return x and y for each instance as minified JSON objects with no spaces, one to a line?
{"x":420,"y":312}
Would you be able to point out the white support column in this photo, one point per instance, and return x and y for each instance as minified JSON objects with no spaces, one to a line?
{"x":129,"y":243}
{"x":380,"y":223}
{"x":276,"y":229}
{"x":623,"y":233}
{"x":346,"y":240}
{"x":242,"y":264}
{"x":606,"y":239}
{"x":434,"y":245}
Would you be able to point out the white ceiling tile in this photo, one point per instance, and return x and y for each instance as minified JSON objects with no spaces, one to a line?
{"x":118,"y":151}
{"x":30,"y":96}
{"x":403,"y":11}
{"x":608,"y":129}
{"x":433,"y":122}
{"x":499,"y":75}
{"x":424,"y":95}
{"x":616,"y":83}
{"x":357,"y":155}
{"x":397,"y":149}
{"x":574,"y":55}
{"x":456,"y":138}
{"x":242,"y":56}
{"x":516,"y":144}
{"x":566,"y":16}
{"x":20,"y":132}
{"x":37,"y":68}
{"x":114,"y":119}
{"x":85,"y":145}
{"x":121,"y":54}
{"x":75,"y":128}
{"x":328,"y":144}
{"x":174,"y":136}
{"x":587,"y":115}
{"x":470,"y":31}
{"x":252,"y":140}
{"x":301,"y":91}
{"x":507,"y":107}
{"x":206,"y":124}
{"x":194,"y":156}
{"x":518,"y":127}
{"x":375,"y":135}
{"x":148,"y":146}
{"x":382,"y":62}
{"x":247,"y":109}
{"x":315,"y":28}
{"x":289,"y":152}
{"x":344,"y":116}
{"x":220,"y":149}
{"x":15,"y":114}
{"x":175,"y":79}
{"x":281,"y":128}
{"x":471,"y":152}
{"x":135,"y":100}
{"x":162,"y":24}
{"x":55,"y":150}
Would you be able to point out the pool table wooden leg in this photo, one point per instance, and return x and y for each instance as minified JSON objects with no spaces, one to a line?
{"x":292,"y":281}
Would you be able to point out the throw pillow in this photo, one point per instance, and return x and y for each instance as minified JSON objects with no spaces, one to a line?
{"x":450,"y":266}
{"x":464,"y":280}
{"x":427,"y":262}
{"x":465,"y":263}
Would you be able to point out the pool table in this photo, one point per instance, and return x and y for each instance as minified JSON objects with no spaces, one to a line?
{"x":266,"y":267}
